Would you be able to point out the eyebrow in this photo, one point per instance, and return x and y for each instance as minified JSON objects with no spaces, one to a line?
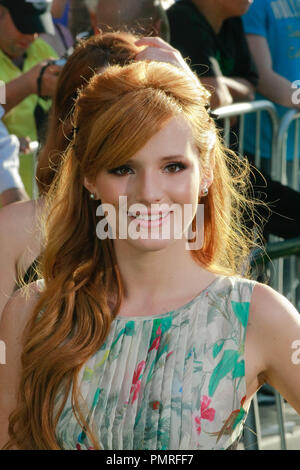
{"x":167,"y":158}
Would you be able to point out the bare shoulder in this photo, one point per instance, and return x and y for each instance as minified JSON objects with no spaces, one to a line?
{"x":17,"y":312}
{"x":273,"y":319}
{"x":22,"y":209}
{"x":272,"y":338}
{"x":268,"y":307}
{"x":17,"y":221}
{"x":20,"y":237}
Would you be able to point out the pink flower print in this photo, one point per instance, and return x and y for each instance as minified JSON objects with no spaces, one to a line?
{"x":156,"y":405}
{"x":156,"y":342}
{"x":169,"y":354}
{"x":136,"y":382}
{"x":198,"y":424}
{"x":205,"y":413}
{"x":78,"y":447}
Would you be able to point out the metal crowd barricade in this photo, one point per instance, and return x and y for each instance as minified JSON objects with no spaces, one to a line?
{"x":252,"y":431}
{"x":225,"y":113}
{"x":290,"y":117}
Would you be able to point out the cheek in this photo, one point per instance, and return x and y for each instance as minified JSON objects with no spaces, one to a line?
{"x":110,"y":189}
{"x":193,"y":185}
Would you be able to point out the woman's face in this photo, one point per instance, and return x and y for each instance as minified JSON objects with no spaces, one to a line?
{"x":159,"y":186}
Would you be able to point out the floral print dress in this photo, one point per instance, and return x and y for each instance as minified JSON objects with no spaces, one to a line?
{"x":170,"y":381}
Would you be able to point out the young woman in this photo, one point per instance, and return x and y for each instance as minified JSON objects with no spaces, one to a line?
{"x":138,"y":342}
{"x":20,"y":238}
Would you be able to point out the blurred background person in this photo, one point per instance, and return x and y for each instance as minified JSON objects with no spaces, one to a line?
{"x":273,"y":33}
{"x":24,"y":65}
{"x":62,"y":40}
{"x":146,"y":17}
{"x":210,"y":34}
{"x":11,"y":185}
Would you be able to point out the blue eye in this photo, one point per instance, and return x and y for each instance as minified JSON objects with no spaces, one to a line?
{"x":121,"y":170}
{"x":175,"y":167}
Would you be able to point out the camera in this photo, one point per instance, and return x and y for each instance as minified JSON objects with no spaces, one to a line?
{"x":61,"y":61}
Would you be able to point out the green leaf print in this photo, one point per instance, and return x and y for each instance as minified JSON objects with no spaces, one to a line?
{"x":241,"y":311}
{"x":88,"y":374}
{"x":226,"y":364}
{"x":217,"y":348}
{"x":239,"y":418}
{"x":127,"y":331}
{"x":164,"y":324}
{"x":96,"y":397}
{"x":239,"y":370}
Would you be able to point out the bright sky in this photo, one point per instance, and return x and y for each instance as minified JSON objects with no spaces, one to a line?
{"x":167,"y":3}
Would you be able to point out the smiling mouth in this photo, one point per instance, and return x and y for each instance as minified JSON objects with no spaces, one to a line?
{"x":149,"y":220}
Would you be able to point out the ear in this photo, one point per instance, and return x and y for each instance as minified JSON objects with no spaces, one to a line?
{"x":89,"y":185}
{"x":208,"y":171}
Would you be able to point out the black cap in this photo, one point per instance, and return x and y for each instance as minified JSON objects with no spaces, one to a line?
{"x":30,"y":16}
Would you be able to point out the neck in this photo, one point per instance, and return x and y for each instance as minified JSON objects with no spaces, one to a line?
{"x":212,"y":11}
{"x":152,"y":275}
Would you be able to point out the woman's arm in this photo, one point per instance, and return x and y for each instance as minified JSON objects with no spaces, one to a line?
{"x":273,"y":343}
{"x":271,"y":85}
{"x":14,"y":319}
{"x":9,"y":242}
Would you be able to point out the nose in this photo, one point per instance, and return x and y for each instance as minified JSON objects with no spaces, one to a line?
{"x":149,"y":188}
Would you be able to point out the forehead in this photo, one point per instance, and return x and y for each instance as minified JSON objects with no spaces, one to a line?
{"x":174,"y":138}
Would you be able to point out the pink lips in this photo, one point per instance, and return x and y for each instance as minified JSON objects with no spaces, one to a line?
{"x":151,"y":223}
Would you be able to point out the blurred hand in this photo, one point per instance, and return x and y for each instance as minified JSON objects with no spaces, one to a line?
{"x":158,"y":50}
{"x":49,"y":79}
{"x":24,"y":145}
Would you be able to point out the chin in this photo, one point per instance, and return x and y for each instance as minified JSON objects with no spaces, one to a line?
{"x":151,"y":245}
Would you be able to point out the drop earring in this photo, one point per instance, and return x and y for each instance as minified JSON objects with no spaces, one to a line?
{"x":204,"y":191}
{"x":92,"y":196}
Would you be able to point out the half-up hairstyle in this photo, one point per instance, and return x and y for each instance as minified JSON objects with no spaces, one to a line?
{"x":115,"y":115}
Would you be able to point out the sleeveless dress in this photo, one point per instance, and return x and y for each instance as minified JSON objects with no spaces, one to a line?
{"x":171,"y":381}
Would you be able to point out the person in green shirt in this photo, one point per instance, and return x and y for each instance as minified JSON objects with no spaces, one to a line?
{"x":25,"y":67}
{"x":23,"y":55}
